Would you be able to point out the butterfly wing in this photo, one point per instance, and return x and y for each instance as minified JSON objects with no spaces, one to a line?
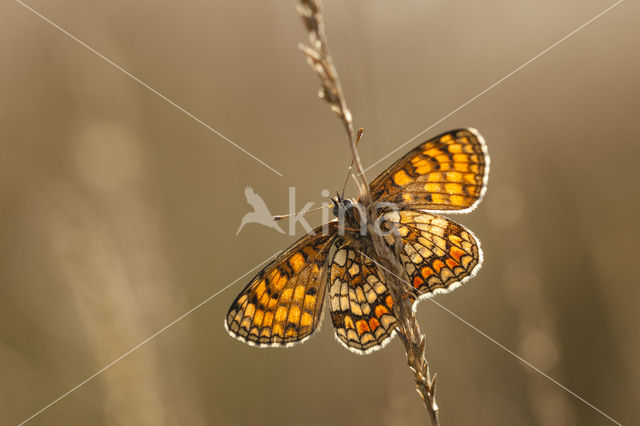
{"x":438,"y":254}
{"x":360,"y":302}
{"x":446,"y":173}
{"x":282,"y":305}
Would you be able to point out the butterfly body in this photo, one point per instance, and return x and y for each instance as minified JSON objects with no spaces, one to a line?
{"x":283,"y":304}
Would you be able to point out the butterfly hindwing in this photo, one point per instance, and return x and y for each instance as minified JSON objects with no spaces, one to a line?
{"x":446,"y":173}
{"x":437,"y":253}
{"x":359,"y":301}
{"x":283,"y":304}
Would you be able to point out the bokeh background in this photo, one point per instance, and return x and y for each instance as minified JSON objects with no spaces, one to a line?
{"x":118,"y":212}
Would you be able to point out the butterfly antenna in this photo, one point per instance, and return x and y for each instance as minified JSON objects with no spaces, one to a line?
{"x":279,"y":217}
{"x":347,"y":178}
{"x":358,"y":136}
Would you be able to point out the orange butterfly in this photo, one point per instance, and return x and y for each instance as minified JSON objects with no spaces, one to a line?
{"x":283,"y":304}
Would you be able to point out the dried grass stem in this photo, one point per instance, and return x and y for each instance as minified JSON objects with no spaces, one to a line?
{"x":318,"y":57}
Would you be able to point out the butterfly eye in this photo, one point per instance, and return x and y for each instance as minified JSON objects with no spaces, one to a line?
{"x":341,"y":206}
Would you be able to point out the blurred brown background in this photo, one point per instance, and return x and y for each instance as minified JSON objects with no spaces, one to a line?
{"x":119,"y":212}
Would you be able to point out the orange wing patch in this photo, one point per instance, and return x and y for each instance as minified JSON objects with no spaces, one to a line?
{"x":360,"y":303}
{"x":448,"y":172}
{"x":282,"y":305}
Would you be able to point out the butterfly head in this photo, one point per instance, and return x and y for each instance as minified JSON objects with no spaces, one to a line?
{"x":349,"y":212}
{"x":341,"y":205}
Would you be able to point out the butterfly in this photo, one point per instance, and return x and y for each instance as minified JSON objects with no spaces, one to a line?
{"x":283,"y":304}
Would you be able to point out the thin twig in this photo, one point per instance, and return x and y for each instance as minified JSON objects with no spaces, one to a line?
{"x":414,"y":341}
{"x":319,"y":59}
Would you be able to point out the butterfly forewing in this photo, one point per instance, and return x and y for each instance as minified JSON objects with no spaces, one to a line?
{"x":437,"y":253}
{"x":446,"y":173}
{"x":359,"y":300}
{"x":283,"y":303}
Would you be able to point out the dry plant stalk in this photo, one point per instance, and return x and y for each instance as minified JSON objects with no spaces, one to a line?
{"x":414,"y":341}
